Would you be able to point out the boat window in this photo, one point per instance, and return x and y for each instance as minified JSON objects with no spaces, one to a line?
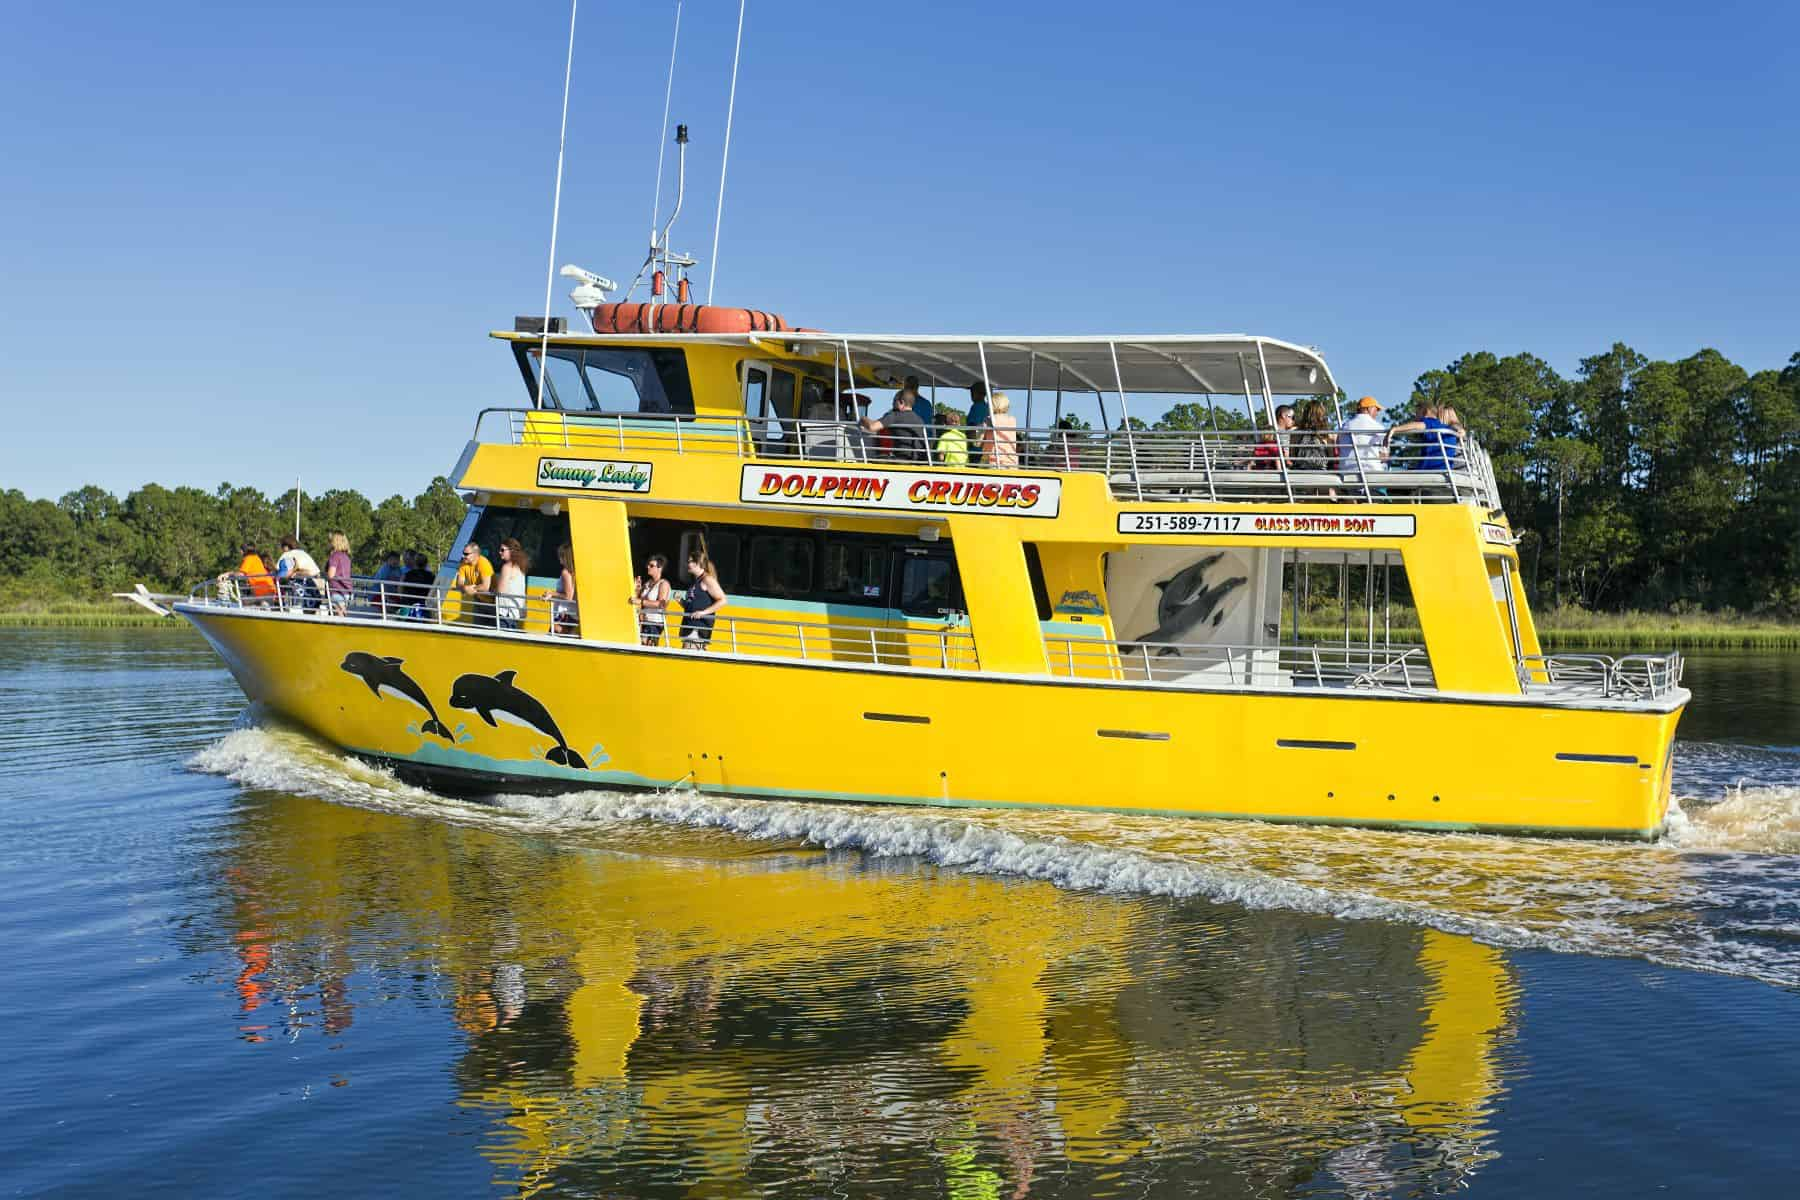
{"x":612,"y":379}
{"x":929,"y":586}
{"x":539,"y":535}
{"x":852,"y":572}
{"x":781,"y":394}
{"x":756,"y":385}
{"x":562,"y":382}
{"x":815,"y":400}
{"x":781,"y":566}
{"x":721,"y":547}
{"x":1040,"y":594}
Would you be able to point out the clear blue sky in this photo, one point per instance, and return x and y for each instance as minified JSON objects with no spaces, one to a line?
{"x":247,"y":242}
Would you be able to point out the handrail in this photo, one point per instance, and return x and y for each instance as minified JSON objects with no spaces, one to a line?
{"x":1333,"y":666}
{"x":1153,"y":465}
{"x":1207,"y":664}
{"x":1628,"y":677}
{"x":392,"y":601}
{"x":366,"y":598}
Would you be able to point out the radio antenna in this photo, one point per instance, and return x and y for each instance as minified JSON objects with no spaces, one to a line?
{"x":555,"y":211}
{"x":712,"y":263}
{"x":663,"y":145}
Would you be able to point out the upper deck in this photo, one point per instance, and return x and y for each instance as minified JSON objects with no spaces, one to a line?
{"x":795,"y":396}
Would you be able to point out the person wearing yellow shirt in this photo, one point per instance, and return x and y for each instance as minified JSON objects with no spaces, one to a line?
{"x":953,"y":443}
{"x":474,"y":580}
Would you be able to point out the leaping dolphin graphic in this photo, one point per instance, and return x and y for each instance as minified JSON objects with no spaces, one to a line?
{"x":385,"y":675}
{"x":1186,"y":601}
{"x":495,"y":696}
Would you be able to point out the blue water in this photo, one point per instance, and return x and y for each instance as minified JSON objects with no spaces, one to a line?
{"x":237,"y":964}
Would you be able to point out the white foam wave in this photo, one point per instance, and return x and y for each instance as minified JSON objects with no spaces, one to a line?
{"x":1763,"y":820}
{"x":1670,"y":903}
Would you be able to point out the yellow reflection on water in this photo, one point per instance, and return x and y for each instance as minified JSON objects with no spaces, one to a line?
{"x":657,"y":1012}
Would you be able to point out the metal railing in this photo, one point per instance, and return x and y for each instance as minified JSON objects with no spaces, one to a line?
{"x":1627,"y":677}
{"x":1202,"y":665}
{"x":369,"y":599}
{"x":951,"y":649}
{"x":1162,"y":465}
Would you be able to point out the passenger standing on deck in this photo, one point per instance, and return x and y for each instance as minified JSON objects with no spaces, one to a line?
{"x":1361,"y":447}
{"x":473,"y":580}
{"x":252,"y":578}
{"x":298,"y":574}
{"x":416,"y":587}
{"x":651,"y":599}
{"x":1271,"y":449}
{"x":1000,"y":444}
{"x":922,"y":408}
{"x":509,"y":585}
{"x":563,"y":613}
{"x":387,"y":578}
{"x":338,"y":572}
{"x":901,"y":424}
{"x":953,"y":443}
{"x":1440,"y":440}
{"x":976,"y":424}
{"x":700,"y":603}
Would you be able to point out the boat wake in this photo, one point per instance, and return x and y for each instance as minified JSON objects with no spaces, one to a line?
{"x":1720,"y":893}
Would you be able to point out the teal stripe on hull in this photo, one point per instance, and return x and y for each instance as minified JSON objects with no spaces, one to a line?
{"x":446,"y":758}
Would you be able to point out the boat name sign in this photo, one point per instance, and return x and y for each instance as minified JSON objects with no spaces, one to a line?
{"x":1267,"y":524}
{"x":594,"y":475}
{"x":905,"y":491}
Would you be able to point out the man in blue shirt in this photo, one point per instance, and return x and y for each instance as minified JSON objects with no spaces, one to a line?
{"x":921,"y":406}
{"x":979,"y":414}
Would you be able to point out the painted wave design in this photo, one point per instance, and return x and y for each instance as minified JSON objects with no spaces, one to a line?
{"x":1721,"y":893}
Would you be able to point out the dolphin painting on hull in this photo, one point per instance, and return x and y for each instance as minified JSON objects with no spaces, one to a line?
{"x":1187,"y":601}
{"x":494,"y":699}
{"x":384,"y":675}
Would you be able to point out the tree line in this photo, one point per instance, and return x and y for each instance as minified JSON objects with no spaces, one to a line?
{"x":90,"y":542}
{"x":1636,"y":484}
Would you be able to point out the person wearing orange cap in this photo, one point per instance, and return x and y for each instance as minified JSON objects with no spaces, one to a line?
{"x":1362,"y":445}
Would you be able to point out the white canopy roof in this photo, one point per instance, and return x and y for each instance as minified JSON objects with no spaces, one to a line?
{"x":1220,"y":364}
{"x":1217,"y":364}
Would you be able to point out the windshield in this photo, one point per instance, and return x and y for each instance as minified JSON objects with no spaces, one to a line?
{"x":611,"y":379}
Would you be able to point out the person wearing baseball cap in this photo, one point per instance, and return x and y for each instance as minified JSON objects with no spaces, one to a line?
{"x":1362,"y":445}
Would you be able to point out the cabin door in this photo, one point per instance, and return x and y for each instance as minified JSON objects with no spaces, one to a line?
{"x":769,"y":405}
{"x":931,"y":621}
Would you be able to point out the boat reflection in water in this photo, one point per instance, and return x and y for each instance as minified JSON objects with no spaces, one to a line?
{"x":699,"y":1018}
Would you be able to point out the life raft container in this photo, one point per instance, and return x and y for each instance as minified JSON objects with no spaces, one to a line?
{"x":683,"y":318}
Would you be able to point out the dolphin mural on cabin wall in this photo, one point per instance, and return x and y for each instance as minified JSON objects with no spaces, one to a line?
{"x":494,"y":698}
{"x":1187,"y":601}
{"x":383,"y":675}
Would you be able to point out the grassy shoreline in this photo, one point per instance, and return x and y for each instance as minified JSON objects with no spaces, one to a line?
{"x":1567,"y":630}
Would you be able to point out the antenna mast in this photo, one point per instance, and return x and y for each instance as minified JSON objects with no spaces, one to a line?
{"x":712,"y":263}
{"x":555,"y":211}
{"x":663,"y":142}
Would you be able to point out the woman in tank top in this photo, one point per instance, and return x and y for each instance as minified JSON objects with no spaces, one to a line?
{"x":563,"y":613}
{"x":509,"y":585}
{"x":699,"y":604}
{"x":652,"y":600}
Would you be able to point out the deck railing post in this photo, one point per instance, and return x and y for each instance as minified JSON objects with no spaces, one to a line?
{"x":1125,"y":416}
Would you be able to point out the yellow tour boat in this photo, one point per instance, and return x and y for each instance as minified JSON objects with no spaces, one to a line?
{"x":1115,"y":618}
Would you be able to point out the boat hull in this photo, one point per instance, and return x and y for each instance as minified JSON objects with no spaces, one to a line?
{"x":474,"y":710}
